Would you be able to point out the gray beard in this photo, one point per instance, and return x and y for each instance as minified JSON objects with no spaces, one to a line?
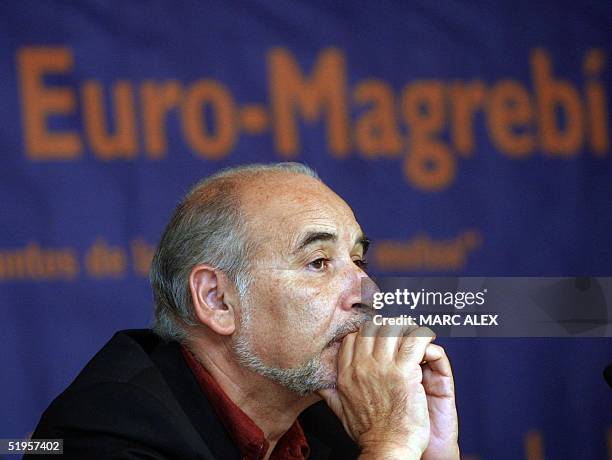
{"x":308,"y":377}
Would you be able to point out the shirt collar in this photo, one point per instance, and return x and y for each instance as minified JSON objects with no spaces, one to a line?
{"x":249,"y":438}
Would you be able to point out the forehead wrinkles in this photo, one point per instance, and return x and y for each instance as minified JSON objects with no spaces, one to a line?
{"x":279,"y":235}
{"x":278,"y":210}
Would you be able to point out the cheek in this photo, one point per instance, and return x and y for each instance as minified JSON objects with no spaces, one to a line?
{"x":285,"y":301}
{"x":289,"y":324}
{"x":293,"y":318}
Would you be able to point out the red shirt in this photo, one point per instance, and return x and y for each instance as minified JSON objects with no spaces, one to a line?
{"x":248,"y":437}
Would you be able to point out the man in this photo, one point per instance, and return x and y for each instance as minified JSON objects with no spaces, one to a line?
{"x":259,"y":315}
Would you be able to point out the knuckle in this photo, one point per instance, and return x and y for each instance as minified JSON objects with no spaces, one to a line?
{"x":360,"y":374}
{"x":344,"y":380}
{"x":396,"y":378}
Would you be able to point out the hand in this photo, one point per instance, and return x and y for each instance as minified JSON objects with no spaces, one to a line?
{"x":440,"y":391}
{"x":380,"y":396}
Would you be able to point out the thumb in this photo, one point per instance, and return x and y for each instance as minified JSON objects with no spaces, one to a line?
{"x":332,"y":399}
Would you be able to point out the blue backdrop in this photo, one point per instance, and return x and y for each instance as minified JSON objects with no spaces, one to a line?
{"x":470,"y":138}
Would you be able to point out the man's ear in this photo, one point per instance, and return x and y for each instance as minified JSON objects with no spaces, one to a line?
{"x":208,"y":295}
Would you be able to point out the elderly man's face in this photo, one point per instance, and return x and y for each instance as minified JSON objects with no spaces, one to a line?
{"x":305,"y":290}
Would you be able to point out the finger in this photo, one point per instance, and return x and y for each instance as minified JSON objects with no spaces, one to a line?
{"x":387,"y":343}
{"x":332,"y":399}
{"x":345,"y":354}
{"x":364,"y":342}
{"x":437,"y":385}
{"x":412,"y":347}
{"x":437,"y":360}
{"x":414,"y":331}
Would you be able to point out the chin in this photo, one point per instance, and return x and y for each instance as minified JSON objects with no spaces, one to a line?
{"x":329,"y":364}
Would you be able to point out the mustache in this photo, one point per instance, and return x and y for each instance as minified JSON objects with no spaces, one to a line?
{"x":352,"y":325}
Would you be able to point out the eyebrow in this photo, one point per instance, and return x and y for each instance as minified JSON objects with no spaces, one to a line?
{"x":364,"y":241}
{"x":314,"y":237}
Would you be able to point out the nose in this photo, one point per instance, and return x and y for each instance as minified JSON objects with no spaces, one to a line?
{"x":361,"y":291}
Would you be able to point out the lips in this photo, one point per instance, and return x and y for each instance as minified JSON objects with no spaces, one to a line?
{"x":336,"y":339}
{"x":340,"y":338}
{"x":346,"y":330}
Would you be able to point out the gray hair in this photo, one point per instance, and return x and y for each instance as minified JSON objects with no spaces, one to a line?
{"x":207,"y":227}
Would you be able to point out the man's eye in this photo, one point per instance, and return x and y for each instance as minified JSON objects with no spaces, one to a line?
{"x":361,"y":264}
{"x":318,"y":264}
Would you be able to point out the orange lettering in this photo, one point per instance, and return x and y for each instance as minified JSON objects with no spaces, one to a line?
{"x":466,"y":99}
{"x":376,"y":131}
{"x":552,"y":94}
{"x":39,"y":102}
{"x":596,"y":101}
{"x":509,"y":113}
{"x":157,"y":101}
{"x":324,"y":91}
{"x":123,"y":143}
{"x":217,"y":144}
{"x":429,"y":163}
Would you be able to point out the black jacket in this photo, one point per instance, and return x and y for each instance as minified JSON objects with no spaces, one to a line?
{"x":138,"y":399}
